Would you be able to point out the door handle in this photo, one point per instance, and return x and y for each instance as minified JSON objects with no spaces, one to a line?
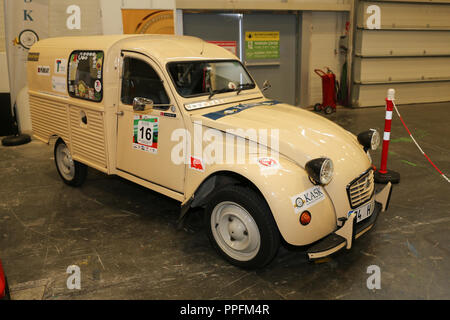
{"x":120,"y":113}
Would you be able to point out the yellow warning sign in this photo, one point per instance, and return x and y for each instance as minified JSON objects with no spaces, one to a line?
{"x":262,"y":45}
{"x":262,"y":36}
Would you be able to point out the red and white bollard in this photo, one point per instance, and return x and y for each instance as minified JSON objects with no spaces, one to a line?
{"x":383,"y":175}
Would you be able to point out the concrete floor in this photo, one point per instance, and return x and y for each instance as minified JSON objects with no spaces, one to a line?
{"x":124,"y":237}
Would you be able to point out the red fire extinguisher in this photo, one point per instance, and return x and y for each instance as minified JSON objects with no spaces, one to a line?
{"x":329,"y":97}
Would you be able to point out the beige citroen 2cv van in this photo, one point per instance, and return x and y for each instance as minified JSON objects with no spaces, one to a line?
{"x":184,"y":118}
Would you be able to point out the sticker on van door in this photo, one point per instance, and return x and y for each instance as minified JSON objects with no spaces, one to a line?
{"x":43,"y":70}
{"x":145,"y":133}
{"x":60,"y":66}
{"x":59,"y":84}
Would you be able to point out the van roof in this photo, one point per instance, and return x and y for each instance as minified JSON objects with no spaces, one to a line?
{"x":163,"y":47}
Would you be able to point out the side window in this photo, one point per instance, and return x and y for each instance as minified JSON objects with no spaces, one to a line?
{"x":85,"y":76}
{"x":141,"y":80}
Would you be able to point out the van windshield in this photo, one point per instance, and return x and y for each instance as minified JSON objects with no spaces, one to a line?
{"x":197,"y":78}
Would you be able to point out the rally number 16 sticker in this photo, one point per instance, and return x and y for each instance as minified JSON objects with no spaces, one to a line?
{"x":145,"y":135}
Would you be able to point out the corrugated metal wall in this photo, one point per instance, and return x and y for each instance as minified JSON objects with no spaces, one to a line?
{"x":410,"y":52}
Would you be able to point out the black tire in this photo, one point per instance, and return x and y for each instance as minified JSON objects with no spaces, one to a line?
{"x":318,"y":107}
{"x":258,"y":209}
{"x":329,"y":110}
{"x":16,"y":140}
{"x":80,"y":169}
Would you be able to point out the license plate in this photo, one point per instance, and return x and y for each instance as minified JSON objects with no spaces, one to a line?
{"x":363,"y":212}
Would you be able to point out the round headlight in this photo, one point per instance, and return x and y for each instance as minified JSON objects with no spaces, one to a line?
{"x":326,"y":172}
{"x":375,"y":140}
{"x":320,"y":170}
{"x":370,"y":139}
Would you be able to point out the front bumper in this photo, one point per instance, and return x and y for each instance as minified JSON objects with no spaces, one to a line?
{"x":350,"y":231}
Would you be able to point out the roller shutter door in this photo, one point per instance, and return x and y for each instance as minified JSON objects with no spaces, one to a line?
{"x":410,"y":52}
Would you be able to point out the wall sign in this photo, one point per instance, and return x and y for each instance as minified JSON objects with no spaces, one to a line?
{"x":262,"y":45}
{"x":228,"y":45}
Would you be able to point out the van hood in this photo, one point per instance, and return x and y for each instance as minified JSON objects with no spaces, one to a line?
{"x":303,"y":136}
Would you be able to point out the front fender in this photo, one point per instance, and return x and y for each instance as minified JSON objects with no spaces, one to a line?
{"x":280,"y":186}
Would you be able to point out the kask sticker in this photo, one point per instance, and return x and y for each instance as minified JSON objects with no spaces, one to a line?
{"x":308,"y":198}
{"x":145,"y":133}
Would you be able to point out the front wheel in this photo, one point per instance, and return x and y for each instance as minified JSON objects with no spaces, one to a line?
{"x":71,"y":172}
{"x":241,"y":227}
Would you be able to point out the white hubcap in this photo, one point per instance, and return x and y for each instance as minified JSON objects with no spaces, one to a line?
{"x":65,"y":162}
{"x":235,"y":231}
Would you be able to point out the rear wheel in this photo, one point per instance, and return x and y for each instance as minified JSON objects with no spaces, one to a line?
{"x":241,"y":227}
{"x":71,"y":172}
{"x":318,"y":107}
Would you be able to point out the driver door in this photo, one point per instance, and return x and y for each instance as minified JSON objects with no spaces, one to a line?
{"x":144,"y":143}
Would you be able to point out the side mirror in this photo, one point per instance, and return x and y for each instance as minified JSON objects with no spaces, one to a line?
{"x":142,"y":104}
{"x":266,"y":85}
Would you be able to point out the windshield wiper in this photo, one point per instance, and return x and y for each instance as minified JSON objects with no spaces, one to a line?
{"x":213,"y":92}
{"x":243,"y":86}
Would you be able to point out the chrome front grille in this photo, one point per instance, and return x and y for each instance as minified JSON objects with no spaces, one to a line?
{"x":361,"y":189}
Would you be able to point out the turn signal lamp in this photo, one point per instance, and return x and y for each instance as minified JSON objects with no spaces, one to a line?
{"x":305,"y":218}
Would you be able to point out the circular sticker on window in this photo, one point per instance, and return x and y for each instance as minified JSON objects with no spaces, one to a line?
{"x":232,"y":86}
{"x":98,"y":86}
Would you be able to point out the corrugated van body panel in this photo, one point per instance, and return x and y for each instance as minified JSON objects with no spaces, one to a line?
{"x":49,"y":117}
{"x":88,"y":140}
